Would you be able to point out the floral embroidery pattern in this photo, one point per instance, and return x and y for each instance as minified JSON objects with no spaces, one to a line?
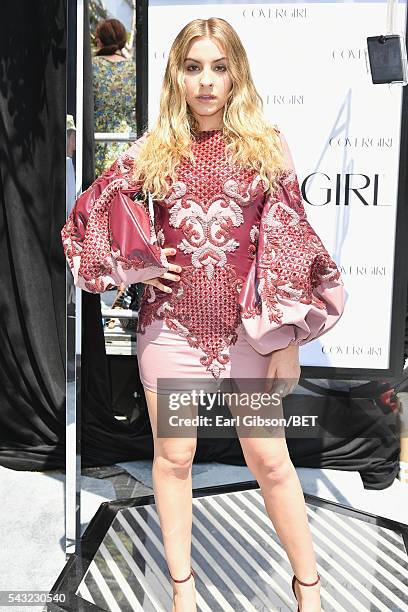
{"x":207,"y":231}
{"x":203,"y":307}
{"x":292,"y":258}
{"x":229,"y":236}
{"x":253,"y":237}
{"x":100,"y":257}
{"x":205,"y":314}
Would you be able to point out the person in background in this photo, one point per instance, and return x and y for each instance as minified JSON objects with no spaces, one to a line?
{"x":114,"y":89}
{"x":70,"y":171}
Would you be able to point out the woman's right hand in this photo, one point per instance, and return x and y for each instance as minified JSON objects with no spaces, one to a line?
{"x":156,"y":282}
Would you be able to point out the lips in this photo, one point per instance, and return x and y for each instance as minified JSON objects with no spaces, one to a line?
{"x":206,"y":97}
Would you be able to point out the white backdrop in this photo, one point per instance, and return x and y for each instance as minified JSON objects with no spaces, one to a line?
{"x":309,"y":66}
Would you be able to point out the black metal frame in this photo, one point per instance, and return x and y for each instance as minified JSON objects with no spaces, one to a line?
{"x":74,"y":571}
{"x":400,"y":281}
{"x":142,"y":66}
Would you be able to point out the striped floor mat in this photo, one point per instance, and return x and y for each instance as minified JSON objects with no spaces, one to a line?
{"x":240,"y":564}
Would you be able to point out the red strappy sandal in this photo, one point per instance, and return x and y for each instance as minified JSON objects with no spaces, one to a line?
{"x":192,"y":573}
{"x":303,"y":584}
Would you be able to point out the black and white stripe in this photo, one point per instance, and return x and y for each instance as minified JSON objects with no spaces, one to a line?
{"x":240,"y":563}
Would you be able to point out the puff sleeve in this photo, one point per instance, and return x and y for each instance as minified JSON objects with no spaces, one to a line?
{"x":107,"y":237}
{"x":293,"y":292}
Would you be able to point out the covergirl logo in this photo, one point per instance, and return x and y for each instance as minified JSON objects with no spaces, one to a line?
{"x":351,"y":349}
{"x":282,"y":99}
{"x":363,"y":270}
{"x":274,"y":13}
{"x":348,"y":55}
{"x":320,"y":189}
{"x":360,"y":142}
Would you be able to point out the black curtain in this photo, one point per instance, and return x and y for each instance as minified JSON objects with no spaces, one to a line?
{"x":35,"y":65}
{"x":32,"y":193}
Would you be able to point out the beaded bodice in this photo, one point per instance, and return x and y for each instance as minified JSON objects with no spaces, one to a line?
{"x":211,"y":216}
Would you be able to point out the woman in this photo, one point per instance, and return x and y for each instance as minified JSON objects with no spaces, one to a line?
{"x":114,"y":89}
{"x":227,"y":211}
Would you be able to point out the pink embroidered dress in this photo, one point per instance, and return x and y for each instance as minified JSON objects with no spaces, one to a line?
{"x":255,"y":276}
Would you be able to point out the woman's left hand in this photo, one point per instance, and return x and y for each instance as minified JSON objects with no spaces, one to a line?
{"x":283,"y":371}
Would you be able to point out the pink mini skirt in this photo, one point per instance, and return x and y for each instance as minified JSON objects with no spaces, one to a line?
{"x":163,"y":353}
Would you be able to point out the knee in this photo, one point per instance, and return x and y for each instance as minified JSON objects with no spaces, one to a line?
{"x":176,"y":461}
{"x":272,"y":468}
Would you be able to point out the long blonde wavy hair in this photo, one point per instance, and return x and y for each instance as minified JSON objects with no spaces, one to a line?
{"x":250,"y":140}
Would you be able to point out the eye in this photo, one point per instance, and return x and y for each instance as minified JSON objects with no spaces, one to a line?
{"x":221,"y":68}
{"x":191,"y":67}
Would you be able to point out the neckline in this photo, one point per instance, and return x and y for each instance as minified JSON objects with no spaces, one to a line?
{"x":118,"y":61}
{"x":206,"y":134}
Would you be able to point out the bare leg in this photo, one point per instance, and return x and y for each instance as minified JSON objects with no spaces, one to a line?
{"x":172,"y":486}
{"x":269,"y":461}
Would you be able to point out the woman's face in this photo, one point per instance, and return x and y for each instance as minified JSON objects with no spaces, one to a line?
{"x":207,"y":81}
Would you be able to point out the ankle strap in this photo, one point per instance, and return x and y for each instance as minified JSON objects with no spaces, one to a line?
{"x":308,"y":583}
{"x":192,"y":573}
